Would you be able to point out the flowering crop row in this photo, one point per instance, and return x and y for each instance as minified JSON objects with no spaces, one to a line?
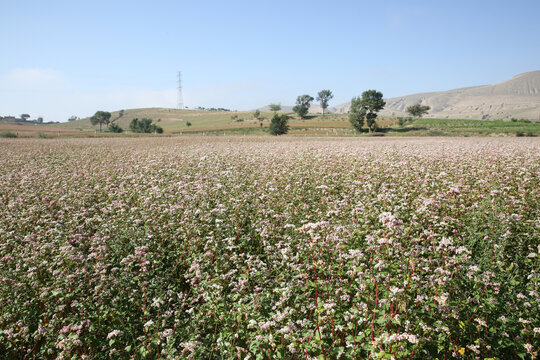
{"x":258,"y":248}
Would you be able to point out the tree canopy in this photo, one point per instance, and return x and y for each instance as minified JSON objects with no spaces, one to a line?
{"x":144,"y":125}
{"x":115,"y":128}
{"x":101,"y":118}
{"x":279,"y":124}
{"x":418,"y":110}
{"x":365,"y":108}
{"x":275,"y":107}
{"x":323,"y":97}
{"x":303,"y":102}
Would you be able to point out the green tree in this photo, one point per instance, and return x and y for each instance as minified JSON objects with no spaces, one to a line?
{"x":323,"y":97}
{"x":115,"y":128}
{"x":279,"y":124}
{"x":303,"y":102}
{"x":403,"y":120}
{"x":365,"y":108}
{"x":25,"y":117}
{"x":101,"y":117}
{"x":73,"y":118}
{"x":144,"y":126}
{"x":40,"y":120}
{"x":418,"y":110}
{"x":275,"y":107}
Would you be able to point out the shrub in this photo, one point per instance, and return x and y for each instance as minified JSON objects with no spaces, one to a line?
{"x":8,"y":134}
{"x":279,"y":124}
{"x":144,"y":126}
{"x":115,"y":128}
{"x":436,"y":133}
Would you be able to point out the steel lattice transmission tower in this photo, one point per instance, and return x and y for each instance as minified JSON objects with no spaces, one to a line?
{"x":180,"y":96}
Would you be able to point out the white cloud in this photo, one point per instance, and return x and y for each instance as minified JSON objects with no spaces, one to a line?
{"x":34,"y":78}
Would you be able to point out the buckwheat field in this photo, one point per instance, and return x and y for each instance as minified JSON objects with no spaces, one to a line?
{"x":265,"y":248}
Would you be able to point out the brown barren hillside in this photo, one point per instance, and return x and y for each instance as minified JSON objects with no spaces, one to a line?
{"x":518,"y":97}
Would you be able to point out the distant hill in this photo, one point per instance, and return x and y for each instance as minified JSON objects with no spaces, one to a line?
{"x":174,"y":120}
{"x":518,"y":97}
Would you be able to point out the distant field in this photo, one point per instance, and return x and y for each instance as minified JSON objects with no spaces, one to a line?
{"x":28,"y":130}
{"x":172,"y":120}
{"x":175,"y":122}
{"x":472,"y":127}
{"x":483,"y":124}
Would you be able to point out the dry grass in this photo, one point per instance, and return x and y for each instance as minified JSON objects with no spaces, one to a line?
{"x":26,"y":131}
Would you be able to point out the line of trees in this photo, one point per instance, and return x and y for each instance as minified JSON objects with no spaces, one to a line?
{"x":303,"y":102}
{"x":25,"y":118}
{"x":104,"y":118}
{"x":364,"y":109}
{"x":143,"y":125}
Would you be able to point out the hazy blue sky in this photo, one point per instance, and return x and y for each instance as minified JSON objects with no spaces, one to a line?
{"x":62,"y":58}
